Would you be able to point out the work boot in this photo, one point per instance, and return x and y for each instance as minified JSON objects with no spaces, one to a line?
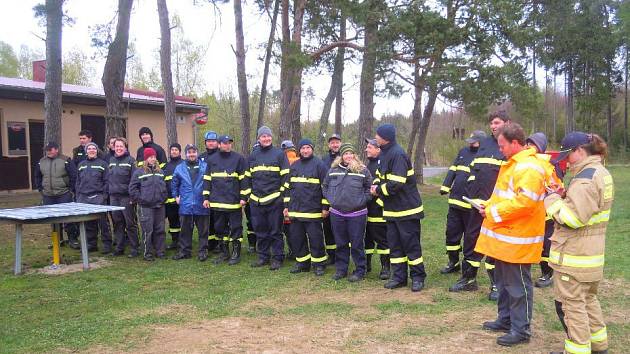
{"x":300,"y":267}
{"x":236,"y":253}
{"x":133,"y":254}
{"x":275,"y":264}
{"x":417,"y":285}
{"x":118,"y":253}
{"x":355,"y":277}
{"x":180,"y":256}
{"x":385,"y":270}
{"x":251,"y":249}
{"x":368,"y":263}
{"x":339,"y":276}
{"x":544,"y":281}
{"x":259,"y":263}
{"x":464,"y":284}
{"x":202,"y":256}
{"x":149,"y":258}
{"x":496,"y":326}
{"x":319,"y":270}
{"x":224,"y":255}
{"x":394,"y":284}
{"x":173,"y":246}
{"x":493,"y":295}
{"x":511,"y":339}
{"x":453,"y":263}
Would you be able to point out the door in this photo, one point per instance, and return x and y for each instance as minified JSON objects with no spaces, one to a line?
{"x":36,"y":146}
{"x":95,"y":124}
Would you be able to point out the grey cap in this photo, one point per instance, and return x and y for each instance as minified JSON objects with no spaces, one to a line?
{"x":335,"y":136}
{"x":286,"y":144}
{"x":540,"y":140}
{"x":476,"y":136}
{"x":264,"y":130}
{"x":371,"y":141}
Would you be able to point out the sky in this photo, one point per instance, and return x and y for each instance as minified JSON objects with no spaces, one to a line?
{"x":202,"y":24}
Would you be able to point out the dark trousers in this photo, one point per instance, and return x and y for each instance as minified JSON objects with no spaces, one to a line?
{"x":188,"y":223}
{"x":153,"y":235}
{"x":92,"y":227}
{"x":72,"y":229}
{"x":544,"y":262}
{"x":174,"y":227}
{"x":228,"y":224}
{"x":267,"y":223}
{"x":213,"y":239}
{"x":124,"y":222}
{"x":349,"y":230}
{"x":286,"y":231}
{"x":516,"y":296}
{"x":403,"y":237}
{"x":251,"y":235}
{"x":307,"y":235}
{"x":376,"y":236}
{"x":329,"y":237}
{"x":472,"y":259}
{"x":456,"y":220}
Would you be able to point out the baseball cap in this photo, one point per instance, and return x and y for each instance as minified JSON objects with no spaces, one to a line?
{"x":571,"y":142}
{"x":476,"y":136}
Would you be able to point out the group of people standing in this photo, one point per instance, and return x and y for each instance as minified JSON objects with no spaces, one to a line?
{"x":506,"y":200}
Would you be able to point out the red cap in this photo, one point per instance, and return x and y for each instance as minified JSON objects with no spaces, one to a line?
{"x":149,"y":152}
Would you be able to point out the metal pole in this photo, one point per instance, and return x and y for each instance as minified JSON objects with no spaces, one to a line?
{"x":84,"y":251}
{"x":18,"y":249}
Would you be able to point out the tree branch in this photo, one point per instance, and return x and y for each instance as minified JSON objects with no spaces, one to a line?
{"x":346,"y":44}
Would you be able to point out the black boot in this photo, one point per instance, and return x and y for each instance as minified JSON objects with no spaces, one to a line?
{"x":300,"y":267}
{"x":493,"y":295}
{"x":385,"y":271}
{"x":464,"y":284}
{"x":236,"y":253}
{"x":368,"y":263}
{"x":453,"y":263}
{"x":545,"y":279}
{"x":394,"y":284}
{"x":224,"y":255}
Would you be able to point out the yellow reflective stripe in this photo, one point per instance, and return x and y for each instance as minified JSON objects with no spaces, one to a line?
{"x":445,"y":189}
{"x":319,"y":259}
{"x":544,"y":259}
{"x":375,"y":219}
{"x":453,"y":168}
{"x":174,"y":229}
{"x":206,"y":193}
{"x":303,"y":259}
{"x":380,"y":251}
{"x":602,"y":216}
{"x":459,"y":203}
{"x":471,"y":178}
{"x":162,"y":165}
{"x":574,"y":348}
{"x":487,"y":160}
{"x":304,"y":180}
{"x":325,"y":201}
{"x":393,"y":177}
{"x":331,"y":247}
{"x":488,"y":266}
{"x":213,"y":237}
{"x":295,"y":214}
{"x":285,"y":185}
{"x":168,"y":178}
{"x":463,"y":168}
{"x":415,"y":261}
{"x":369,"y":251}
{"x":376,"y":181}
{"x":151,"y":174}
{"x":600,"y":335}
{"x":207,"y":178}
{"x":515,"y":240}
{"x":170,"y":200}
{"x":379,"y":202}
{"x":398,"y":260}
{"x":98,"y":168}
{"x":402,"y":213}
{"x":453,"y":248}
{"x":384,"y":190}
{"x":410,"y":172}
{"x":568,"y":218}
{"x":284,"y":172}
{"x":248,"y":174}
{"x":140,"y":163}
{"x":246,"y":191}
{"x":265,"y":198}
{"x":576,"y":261}
{"x":265,"y":168}
{"x":286,"y":199}
{"x":473,"y":263}
{"x":224,"y":174}
{"x":225,"y":205}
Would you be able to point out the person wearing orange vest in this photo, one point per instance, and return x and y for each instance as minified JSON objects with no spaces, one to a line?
{"x":512,"y":233}
{"x":581,"y":214}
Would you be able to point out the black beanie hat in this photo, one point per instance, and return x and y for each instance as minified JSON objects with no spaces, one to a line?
{"x":145,"y":130}
{"x":387,"y":131}
{"x":175,"y":145}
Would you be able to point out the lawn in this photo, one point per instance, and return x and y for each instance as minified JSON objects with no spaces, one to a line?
{"x":188,"y":306}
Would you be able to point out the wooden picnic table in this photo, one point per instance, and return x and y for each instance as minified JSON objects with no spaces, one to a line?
{"x":53,"y":214}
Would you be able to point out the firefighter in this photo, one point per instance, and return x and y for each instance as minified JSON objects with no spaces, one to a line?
{"x":171,"y":207}
{"x":512,"y":234}
{"x":483,"y":175}
{"x":251,"y":235}
{"x":225,"y":192}
{"x":78,"y":153}
{"x":303,"y":206}
{"x":211,"y":140}
{"x":146,"y":137}
{"x":538,"y":141}
{"x":268,"y":170}
{"x":91,"y":188}
{"x":148,"y":189}
{"x":458,"y":209}
{"x":121,"y":168}
{"x":334,"y":143}
{"x":292,"y":155}
{"x":376,"y":229}
{"x":402,"y":210}
{"x":581,"y":214}
{"x":187,"y":189}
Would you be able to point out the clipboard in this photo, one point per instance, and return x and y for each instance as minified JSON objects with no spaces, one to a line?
{"x":473,"y":203}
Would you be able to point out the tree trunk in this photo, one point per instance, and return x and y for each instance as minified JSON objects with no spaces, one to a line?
{"x":416,"y":113}
{"x":328,"y":101}
{"x":285,"y":85}
{"x":241,"y":76}
{"x":113,"y":79}
{"x":625,"y":104}
{"x":263,"y":88}
{"x":340,"y":63}
{"x":555,"y":118}
{"x":419,"y":158}
{"x":167,"y":75}
{"x":295,"y":75}
{"x":570,"y":124}
{"x":52,"y":89}
{"x":366,"y":86}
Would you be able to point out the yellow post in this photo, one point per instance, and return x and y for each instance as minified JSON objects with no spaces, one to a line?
{"x":55,"y":242}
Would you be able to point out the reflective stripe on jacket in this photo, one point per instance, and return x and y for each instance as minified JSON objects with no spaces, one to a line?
{"x":375,"y":205}
{"x":148,"y":188}
{"x":484,"y":170}
{"x":579,"y":238}
{"x":120,"y":170}
{"x":268,"y":171}
{"x":514,"y":227}
{"x":303,"y":194}
{"x":457,"y":178}
{"x":225,"y":183}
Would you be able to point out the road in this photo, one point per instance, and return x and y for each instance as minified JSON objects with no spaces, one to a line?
{"x":434,"y":171}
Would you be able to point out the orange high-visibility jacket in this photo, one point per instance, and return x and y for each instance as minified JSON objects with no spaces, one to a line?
{"x":514,"y":227}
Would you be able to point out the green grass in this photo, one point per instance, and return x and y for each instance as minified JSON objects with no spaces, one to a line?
{"x":115,"y":306}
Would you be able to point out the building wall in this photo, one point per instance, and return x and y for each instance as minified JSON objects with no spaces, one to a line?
{"x":23,"y":111}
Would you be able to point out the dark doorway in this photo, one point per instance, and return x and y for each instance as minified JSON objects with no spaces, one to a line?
{"x":36,"y":146}
{"x":95,"y":124}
